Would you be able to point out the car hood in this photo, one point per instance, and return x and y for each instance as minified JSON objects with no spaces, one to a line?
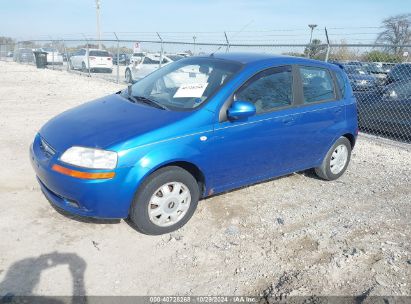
{"x":104,"y":122}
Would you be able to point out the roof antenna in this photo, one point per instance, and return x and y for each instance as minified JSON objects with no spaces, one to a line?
{"x":235,"y":35}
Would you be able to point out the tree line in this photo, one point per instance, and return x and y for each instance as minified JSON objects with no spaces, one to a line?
{"x":395,"y":34}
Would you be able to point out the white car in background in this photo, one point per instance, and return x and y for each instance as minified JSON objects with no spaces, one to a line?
{"x":93,"y":59}
{"x":53,"y":55}
{"x":143,"y":65}
{"x":137,"y":57}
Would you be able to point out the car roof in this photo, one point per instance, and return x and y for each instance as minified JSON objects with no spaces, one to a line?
{"x":254,"y":58}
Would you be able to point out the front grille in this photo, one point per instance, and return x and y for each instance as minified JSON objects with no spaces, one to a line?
{"x":46,"y":148}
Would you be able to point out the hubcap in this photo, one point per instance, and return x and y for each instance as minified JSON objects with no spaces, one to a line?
{"x":338,"y":159}
{"x":169,"y":204}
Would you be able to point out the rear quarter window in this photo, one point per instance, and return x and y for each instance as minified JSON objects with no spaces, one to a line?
{"x":318,"y":85}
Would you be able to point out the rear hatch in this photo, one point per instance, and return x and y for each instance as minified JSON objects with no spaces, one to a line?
{"x":100,"y":58}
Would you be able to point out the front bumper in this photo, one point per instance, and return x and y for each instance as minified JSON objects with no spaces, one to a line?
{"x":99,"y":198}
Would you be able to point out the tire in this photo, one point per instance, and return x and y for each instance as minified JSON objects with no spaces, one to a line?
{"x":336,"y":161}
{"x":128,"y":76}
{"x":83,"y":67}
{"x":153,"y":209}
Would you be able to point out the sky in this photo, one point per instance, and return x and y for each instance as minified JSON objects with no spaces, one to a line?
{"x":280,"y":20}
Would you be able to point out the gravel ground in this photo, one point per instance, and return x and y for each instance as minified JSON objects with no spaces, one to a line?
{"x":295,"y":235}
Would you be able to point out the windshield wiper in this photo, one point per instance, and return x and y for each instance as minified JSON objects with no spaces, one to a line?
{"x":143,"y":99}
{"x":150,"y":101}
{"x":130,"y":96}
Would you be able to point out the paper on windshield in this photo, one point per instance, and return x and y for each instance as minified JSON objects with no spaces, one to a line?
{"x":191,"y":90}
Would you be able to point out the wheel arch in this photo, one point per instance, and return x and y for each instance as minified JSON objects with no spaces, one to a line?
{"x":191,"y":168}
{"x":351,"y":138}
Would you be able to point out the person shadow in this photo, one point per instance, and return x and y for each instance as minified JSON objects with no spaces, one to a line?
{"x":24,"y":275}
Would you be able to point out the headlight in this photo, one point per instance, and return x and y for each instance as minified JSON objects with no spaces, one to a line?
{"x":90,"y":158}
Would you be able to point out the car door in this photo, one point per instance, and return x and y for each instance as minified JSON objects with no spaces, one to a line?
{"x":257,"y":148}
{"x":322,"y":115}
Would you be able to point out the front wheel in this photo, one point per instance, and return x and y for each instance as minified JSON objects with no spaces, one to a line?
{"x":336,"y":161}
{"x":165,"y":201}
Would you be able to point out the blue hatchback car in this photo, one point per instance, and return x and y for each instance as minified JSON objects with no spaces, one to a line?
{"x":194,"y":128}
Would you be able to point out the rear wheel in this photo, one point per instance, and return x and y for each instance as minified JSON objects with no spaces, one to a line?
{"x":128,"y":76}
{"x":336,"y":161}
{"x":165,"y":201}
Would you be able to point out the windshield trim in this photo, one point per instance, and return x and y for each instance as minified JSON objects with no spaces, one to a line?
{"x":240,"y":66}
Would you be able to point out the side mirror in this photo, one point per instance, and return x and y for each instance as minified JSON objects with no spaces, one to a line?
{"x":240,"y":110}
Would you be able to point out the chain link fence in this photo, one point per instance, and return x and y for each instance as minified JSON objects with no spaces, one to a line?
{"x":380,"y":75}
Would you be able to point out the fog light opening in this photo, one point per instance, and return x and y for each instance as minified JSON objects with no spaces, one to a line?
{"x":73,"y":204}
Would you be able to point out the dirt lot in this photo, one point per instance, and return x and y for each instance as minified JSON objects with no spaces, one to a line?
{"x":295,"y":235}
{"x":102,"y":75}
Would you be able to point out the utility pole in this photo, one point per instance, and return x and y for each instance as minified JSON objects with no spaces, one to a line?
{"x":228,"y":42}
{"x":161,"y":51}
{"x":327,"y":55}
{"x":194,"y":39}
{"x":98,"y":23}
{"x":118,"y":58}
{"x":312,"y":27}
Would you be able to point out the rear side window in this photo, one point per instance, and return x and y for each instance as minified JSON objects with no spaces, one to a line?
{"x":317,"y":84}
{"x":268,"y":90}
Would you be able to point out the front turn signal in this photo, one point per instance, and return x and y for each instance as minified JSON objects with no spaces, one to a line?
{"x":82,"y":175}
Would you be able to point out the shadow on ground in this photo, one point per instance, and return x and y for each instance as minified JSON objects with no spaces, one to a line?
{"x":23,"y":276}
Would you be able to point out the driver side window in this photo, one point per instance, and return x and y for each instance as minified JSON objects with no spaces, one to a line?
{"x":268,"y":90}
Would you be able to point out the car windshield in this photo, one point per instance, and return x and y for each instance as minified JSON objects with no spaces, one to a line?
{"x":398,"y":90}
{"x":387,"y":66}
{"x":373,"y":68}
{"x":99,"y":53}
{"x":354,"y":70}
{"x":184,"y":84}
